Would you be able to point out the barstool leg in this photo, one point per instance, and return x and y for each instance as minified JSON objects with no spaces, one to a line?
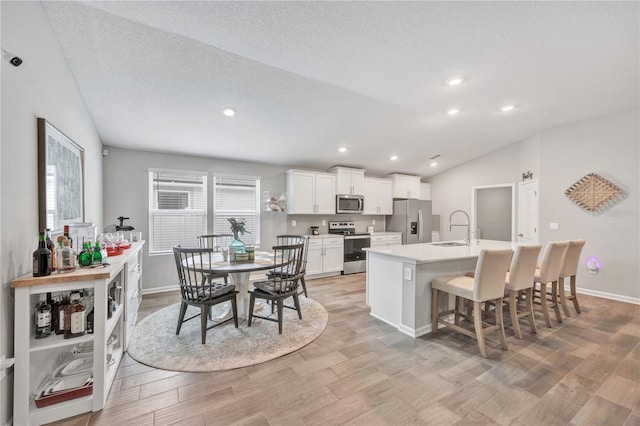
{"x":574,"y":295}
{"x":563,"y":299}
{"x":532,"y":318}
{"x":543,"y":304}
{"x":554,"y":300}
{"x":477,"y":322}
{"x":500,"y":322}
{"x":434,"y":311}
{"x":513,"y":310}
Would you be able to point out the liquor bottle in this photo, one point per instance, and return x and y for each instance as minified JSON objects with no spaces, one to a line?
{"x":66,"y":234}
{"x":90,"y":322}
{"x":42,"y":259}
{"x":59,"y":312}
{"x":84,"y":257}
{"x":43,"y":318}
{"x":51,"y":246}
{"x":74,"y":318}
{"x":96,"y":256}
{"x":66,"y":257}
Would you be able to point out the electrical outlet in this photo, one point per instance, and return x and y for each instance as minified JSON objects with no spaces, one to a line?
{"x":373,"y":221}
{"x":293,"y":222}
{"x":554,"y":226}
{"x":324,"y":222}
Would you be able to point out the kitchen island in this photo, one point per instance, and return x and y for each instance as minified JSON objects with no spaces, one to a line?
{"x":399,"y":278}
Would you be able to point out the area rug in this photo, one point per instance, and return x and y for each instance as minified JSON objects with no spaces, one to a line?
{"x":154,"y":341}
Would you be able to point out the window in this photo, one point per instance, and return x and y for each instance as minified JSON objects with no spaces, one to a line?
{"x":239,"y":197}
{"x":177,"y":209}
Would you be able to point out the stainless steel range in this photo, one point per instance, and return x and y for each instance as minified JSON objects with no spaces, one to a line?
{"x":355,"y":258}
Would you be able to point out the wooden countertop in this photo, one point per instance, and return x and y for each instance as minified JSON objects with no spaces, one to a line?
{"x":114,"y":266}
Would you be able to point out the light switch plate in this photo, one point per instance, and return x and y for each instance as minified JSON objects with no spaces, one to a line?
{"x":554,"y":226}
{"x":293,"y":222}
{"x":373,"y":221}
{"x":407,"y":274}
{"x":324,"y":222}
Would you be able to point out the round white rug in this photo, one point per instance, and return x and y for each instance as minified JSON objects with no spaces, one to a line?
{"x":154,"y":341}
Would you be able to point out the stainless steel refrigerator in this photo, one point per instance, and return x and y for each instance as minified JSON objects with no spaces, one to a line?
{"x":413,"y":219}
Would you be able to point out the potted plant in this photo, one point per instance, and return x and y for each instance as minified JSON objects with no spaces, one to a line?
{"x":237,"y":226}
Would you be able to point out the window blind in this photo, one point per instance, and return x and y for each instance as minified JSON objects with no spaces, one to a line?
{"x":238,"y":197}
{"x":177,"y":209}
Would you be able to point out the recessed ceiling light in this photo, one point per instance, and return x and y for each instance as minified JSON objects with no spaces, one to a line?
{"x":454,"y":81}
{"x":342,"y":149}
{"x":229,"y":112}
{"x":393,"y":157}
{"x":507,"y":108}
{"x":433,"y":163}
{"x":453,"y":111}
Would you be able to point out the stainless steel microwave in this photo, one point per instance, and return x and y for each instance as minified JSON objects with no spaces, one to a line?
{"x":346,"y":203}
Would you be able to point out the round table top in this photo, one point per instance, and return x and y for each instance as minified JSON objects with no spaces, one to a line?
{"x":263,"y":260}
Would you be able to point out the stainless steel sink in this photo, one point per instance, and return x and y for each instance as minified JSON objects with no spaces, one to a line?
{"x":450,"y":244}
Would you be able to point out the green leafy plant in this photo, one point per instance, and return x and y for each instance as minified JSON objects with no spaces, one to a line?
{"x":238,"y":226}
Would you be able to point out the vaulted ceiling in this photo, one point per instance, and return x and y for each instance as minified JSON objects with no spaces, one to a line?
{"x":307,"y":78}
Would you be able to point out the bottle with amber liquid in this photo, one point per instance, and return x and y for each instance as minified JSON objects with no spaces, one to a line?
{"x":42,"y":258}
{"x":43,"y":318}
{"x":66,"y":234}
{"x":74,"y":318}
{"x":51,"y":246}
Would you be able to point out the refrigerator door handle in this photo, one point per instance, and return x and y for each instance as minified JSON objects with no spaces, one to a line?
{"x":420,"y":226}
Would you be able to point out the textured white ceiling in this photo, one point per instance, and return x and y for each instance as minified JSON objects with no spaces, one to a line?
{"x":308,"y":77}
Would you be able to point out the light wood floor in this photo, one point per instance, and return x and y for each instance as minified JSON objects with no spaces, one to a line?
{"x":361,"y":371}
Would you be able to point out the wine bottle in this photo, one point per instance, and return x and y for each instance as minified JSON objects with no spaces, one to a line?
{"x":66,"y":234}
{"x":43,"y":318}
{"x":51,"y":246}
{"x":42,"y":258}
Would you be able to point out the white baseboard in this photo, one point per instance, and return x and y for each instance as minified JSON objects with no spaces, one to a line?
{"x":605,"y":295}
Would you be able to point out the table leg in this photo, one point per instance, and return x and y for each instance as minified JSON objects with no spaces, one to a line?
{"x":241,"y":281}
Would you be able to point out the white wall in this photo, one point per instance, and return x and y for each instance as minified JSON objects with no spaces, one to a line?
{"x":126,"y":193}
{"x":41,"y":87}
{"x":608,"y":146}
{"x":558,"y":157}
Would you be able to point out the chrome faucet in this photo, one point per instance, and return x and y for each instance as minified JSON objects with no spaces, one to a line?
{"x":468,"y":225}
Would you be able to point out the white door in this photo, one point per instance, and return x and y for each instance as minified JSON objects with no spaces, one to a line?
{"x":528,"y":212}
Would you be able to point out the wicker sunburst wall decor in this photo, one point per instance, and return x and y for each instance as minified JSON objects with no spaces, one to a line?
{"x":594,"y":193}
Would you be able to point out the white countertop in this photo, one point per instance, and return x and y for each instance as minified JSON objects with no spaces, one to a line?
{"x":431,"y":252}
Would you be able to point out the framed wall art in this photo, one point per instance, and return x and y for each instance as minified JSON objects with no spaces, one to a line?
{"x":60,"y":178}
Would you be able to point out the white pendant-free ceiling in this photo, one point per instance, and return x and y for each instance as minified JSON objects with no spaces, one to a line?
{"x":306,"y":78}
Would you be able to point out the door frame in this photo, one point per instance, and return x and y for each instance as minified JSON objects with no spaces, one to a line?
{"x":474,"y":207}
{"x":536,"y":212}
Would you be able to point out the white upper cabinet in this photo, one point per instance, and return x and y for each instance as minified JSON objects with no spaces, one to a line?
{"x":349,"y":181}
{"x":310,"y":192}
{"x":378,"y":197}
{"x":425,"y":191}
{"x":405,"y":186}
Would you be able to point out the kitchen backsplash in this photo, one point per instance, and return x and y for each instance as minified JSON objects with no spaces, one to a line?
{"x":305,"y":221}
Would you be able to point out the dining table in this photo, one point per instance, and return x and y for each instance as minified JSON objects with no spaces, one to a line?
{"x":239,"y":274}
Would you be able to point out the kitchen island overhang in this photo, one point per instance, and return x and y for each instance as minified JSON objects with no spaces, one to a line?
{"x":398,"y":284}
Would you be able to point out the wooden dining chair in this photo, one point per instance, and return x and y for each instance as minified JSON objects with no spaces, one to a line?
{"x":216,"y":242}
{"x":281,"y":285}
{"x":197,"y":289}
{"x":286,"y":239}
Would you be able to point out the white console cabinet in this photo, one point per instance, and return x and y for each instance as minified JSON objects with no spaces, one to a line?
{"x":37,"y":359}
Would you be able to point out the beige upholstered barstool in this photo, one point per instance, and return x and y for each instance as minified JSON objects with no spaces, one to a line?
{"x":520,"y":279}
{"x":487,"y":285}
{"x":549,"y":273}
{"x":569,"y":270}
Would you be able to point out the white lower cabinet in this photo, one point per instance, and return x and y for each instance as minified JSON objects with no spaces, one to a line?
{"x":54,"y":358}
{"x":326,"y":255}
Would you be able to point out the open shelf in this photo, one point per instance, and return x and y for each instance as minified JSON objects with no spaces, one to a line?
{"x":57,"y":341}
{"x":60,"y":410}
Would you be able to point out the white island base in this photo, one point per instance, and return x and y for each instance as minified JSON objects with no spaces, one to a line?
{"x":399,"y":279}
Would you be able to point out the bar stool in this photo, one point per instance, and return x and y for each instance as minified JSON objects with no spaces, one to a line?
{"x":569,"y":270}
{"x":549,"y":273}
{"x":520,"y":278}
{"x":486,"y":285}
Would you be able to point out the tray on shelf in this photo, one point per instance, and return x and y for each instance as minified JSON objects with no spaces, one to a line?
{"x":59,"y":390}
